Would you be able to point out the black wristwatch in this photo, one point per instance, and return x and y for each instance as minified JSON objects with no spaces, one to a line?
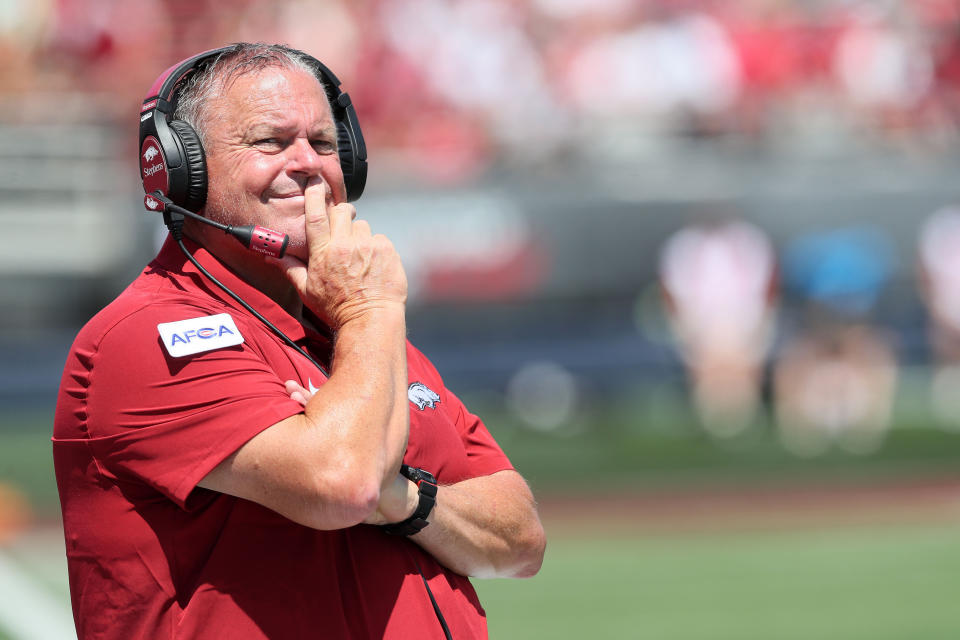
{"x":427,"y":486}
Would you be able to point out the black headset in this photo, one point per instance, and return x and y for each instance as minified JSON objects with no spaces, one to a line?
{"x":172,"y":159}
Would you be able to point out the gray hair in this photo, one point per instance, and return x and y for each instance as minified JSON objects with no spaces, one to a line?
{"x":194,"y":96}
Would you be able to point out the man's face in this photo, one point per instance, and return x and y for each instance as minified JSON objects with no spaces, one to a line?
{"x":268,"y":133}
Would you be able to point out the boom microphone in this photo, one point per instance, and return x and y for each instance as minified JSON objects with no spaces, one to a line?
{"x":254,"y":237}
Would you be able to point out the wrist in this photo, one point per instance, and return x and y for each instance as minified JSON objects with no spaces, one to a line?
{"x":375,"y":334}
{"x":413,"y":498}
{"x":426,"y":498}
{"x":372,"y":313}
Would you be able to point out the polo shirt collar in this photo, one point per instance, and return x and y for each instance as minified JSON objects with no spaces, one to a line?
{"x":171,"y":259}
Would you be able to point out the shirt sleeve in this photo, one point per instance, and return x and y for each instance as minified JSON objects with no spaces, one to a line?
{"x":483,"y":452}
{"x":445,"y":438}
{"x":167,"y":422}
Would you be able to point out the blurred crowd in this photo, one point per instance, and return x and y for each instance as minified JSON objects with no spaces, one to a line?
{"x":798,"y":329}
{"x":454,"y":85}
{"x":448,"y":88}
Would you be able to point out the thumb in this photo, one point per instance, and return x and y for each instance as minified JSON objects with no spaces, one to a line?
{"x":294,"y":269}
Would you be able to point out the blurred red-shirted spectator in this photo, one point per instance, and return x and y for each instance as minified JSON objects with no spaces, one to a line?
{"x":447,"y":87}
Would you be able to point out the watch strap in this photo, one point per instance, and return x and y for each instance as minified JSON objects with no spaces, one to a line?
{"x":427,"y":490}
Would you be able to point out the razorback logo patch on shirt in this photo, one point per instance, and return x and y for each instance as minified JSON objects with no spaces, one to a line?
{"x":206,"y":333}
{"x":422,"y":396}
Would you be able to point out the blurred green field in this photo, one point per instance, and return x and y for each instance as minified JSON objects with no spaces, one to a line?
{"x":846,"y":583}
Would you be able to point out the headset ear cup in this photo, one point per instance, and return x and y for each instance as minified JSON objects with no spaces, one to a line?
{"x":354,"y":168}
{"x":195,"y":165}
{"x":345,"y":149}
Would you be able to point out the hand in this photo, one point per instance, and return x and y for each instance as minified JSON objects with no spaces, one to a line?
{"x":296,"y":392}
{"x":350,"y":272}
{"x":398,"y":501}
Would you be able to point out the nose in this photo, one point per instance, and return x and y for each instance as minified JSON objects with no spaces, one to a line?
{"x":302,"y":158}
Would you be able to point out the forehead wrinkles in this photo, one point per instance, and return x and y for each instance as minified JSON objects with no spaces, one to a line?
{"x":270,"y":97}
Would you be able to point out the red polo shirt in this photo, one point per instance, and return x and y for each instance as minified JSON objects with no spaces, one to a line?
{"x":151,"y":555}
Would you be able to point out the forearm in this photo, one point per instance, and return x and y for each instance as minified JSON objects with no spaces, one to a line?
{"x":486,"y":527}
{"x":362,"y":409}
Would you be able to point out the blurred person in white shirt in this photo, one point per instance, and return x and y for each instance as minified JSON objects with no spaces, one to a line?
{"x":719,"y":281}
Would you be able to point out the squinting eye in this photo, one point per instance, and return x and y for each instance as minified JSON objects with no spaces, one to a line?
{"x":323,"y":146}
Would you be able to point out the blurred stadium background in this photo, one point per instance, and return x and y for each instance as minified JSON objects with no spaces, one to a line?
{"x":695,"y":262}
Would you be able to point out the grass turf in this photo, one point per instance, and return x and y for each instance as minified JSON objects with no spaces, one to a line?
{"x":848,"y":583}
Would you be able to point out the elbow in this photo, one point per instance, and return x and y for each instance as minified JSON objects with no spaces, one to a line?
{"x":344,"y":499}
{"x":522,"y":555}
{"x":358,"y":501}
{"x":531,"y":548}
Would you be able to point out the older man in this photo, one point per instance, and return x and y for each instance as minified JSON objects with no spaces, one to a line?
{"x":215,"y":481}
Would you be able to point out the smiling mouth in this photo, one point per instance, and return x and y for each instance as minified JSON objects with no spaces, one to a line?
{"x":285,"y":200}
{"x":297,"y":196}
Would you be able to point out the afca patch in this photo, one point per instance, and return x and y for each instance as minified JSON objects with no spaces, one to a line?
{"x":187,"y":337}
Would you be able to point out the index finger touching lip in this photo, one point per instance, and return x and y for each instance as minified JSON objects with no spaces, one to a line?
{"x":315,"y":195}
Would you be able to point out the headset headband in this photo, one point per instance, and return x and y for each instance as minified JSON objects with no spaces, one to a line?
{"x":169,"y":79}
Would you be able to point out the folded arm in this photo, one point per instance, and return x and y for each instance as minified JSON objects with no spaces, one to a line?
{"x":485,"y":527}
